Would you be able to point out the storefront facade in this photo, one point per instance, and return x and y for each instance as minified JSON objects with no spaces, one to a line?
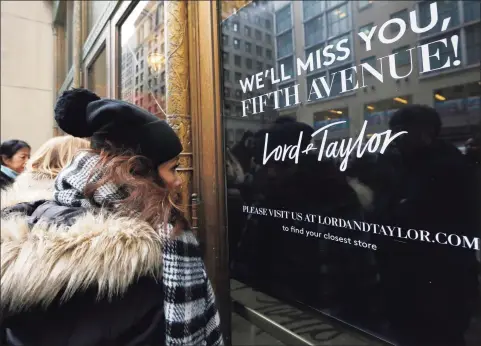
{"x":315,"y":226}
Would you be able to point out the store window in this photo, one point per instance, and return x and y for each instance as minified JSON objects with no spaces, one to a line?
{"x":142,"y":46}
{"x":360,"y":202}
{"x":97,"y":74}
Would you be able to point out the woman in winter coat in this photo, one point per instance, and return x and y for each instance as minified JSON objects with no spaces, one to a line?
{"x":13,"y":156}
{"x":37,"y":180}
{"x":110,"y":260}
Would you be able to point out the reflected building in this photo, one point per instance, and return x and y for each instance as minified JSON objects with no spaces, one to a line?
{"x":146,"y":49}
{"x":302,"y":27}
{"x":248,"y":47}
{"x":127,"y":72}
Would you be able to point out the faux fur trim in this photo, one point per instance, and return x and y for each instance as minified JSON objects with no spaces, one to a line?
{"x":28,"y":187}
{"x":106,"y":252}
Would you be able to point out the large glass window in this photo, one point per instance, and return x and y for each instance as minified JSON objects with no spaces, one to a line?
{"x":142,"y":56}
{"x":338,"y":21}
{"x":283,"y":19}
{"x":371,"y":223}
{"x":284,"y":44}
{"x":446,"y":8}
{"x":314,"y":31}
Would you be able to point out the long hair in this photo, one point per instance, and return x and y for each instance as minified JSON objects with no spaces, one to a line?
{"x":55,"y":154}
{"x":148,"y":199}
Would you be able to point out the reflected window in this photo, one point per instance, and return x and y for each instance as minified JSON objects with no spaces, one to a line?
{"x":260,"y":66}
{"x":238,"y":94}
{"x":247,"y":31}
{"x":403,"y":56}
{"x":371,"y":60}
{"x":313,"y":31}
{"x":226,"y":92}
{"x":338,"y":21}
{"x":404,"y":15}
{"x":288,"y":66}
{"x":379,"y":112}
{"x":258,"y":35}
{"x":444,"y":52}
{"x":226,"y":76}
{"x":249,"y":63}
{"x":235,"y":26}
{"x":225,"y":57}
{"x":284,"y":44}
{"x":236,"y":43}
{"x":331,"y":3}
{"x":312,"y":8}
{"x":364,"y":3}
{"x":268,"y":54}
{"x":225,"y":40}
{"x":335,"y":80}
{"x":446,"y":9}
{"x":287,"y":93}
{"x":346,"y":44}
{"x":268,"y":39}
{"x":283,"y":19}
{"x":237,"y":60}
{"x":312,"y":96}
{"x":473,"y":44}
{"x":238,"y":77}
{"x":142,"y":45}
{"x":472,"y":10}
{"x":248,"y":47}
{"x":259,"y":50}
{"x":366,"y":29}
{"x":268,"y":24}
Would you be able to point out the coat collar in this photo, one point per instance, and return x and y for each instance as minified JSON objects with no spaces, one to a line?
{"x":102,"y":251}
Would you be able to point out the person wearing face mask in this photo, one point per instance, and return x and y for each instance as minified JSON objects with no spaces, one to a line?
{"x":110,"y":260}
{"x":14,"y":155}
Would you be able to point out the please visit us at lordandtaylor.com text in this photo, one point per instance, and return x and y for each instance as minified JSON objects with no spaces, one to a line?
{"x":397,"y":233}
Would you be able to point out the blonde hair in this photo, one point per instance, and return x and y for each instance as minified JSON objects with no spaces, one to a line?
{"x":55,"y":154}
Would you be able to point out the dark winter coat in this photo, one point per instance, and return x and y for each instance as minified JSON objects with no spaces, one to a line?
{"x":5,"y":181}
{"x":96,"y":283}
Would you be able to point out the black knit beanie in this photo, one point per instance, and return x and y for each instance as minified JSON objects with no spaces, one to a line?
{"x":81,"y":113}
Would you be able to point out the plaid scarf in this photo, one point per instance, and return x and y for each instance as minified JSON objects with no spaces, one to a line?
{"x":191,"y":316}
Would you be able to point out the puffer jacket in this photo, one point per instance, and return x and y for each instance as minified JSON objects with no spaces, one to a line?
{"x":95,"y":283}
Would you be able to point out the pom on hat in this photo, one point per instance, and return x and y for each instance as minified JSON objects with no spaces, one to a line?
{"x":71,"y":111}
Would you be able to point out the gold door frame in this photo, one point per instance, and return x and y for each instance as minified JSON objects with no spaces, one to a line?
{"x":207,"y":135}
{"x":204,"y":109}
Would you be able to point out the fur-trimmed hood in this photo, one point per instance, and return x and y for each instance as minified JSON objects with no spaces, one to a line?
{"x":43,"y":262}
{"x":27,"y":187}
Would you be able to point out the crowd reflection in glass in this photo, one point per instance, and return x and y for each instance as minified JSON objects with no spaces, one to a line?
{"x":408,"y":291}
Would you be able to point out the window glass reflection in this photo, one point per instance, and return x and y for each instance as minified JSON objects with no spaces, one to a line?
{"x":303,"y":65}
{"x":142,"y":70}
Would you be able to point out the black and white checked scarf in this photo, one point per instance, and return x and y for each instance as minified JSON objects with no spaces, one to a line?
{"x":191,"y":316}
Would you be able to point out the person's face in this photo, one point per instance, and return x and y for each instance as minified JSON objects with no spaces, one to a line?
{"x":169,"y":175}
{"x":17,"y":162}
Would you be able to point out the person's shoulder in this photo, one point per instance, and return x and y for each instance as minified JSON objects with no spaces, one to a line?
{"x":99,"y":250}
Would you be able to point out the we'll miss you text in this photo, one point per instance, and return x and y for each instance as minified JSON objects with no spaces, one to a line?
{"x":353,"y":77}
